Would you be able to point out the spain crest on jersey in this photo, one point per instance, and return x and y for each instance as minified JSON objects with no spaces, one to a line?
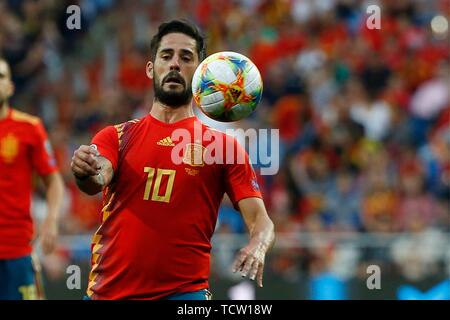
{"x":193,"y":155}
{"x":9,"y":148}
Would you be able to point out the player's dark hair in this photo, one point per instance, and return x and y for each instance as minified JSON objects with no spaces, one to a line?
{"x":179,"y":26}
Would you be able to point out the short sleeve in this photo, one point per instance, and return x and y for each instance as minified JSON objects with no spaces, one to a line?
{"x":43,"y":158}
{"x":107,"y":142}
{"x":240,"y":179}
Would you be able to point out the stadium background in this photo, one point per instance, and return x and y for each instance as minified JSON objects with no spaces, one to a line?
{"x":363,"y":118}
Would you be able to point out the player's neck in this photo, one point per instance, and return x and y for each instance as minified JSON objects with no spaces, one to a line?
{"x":4,"y":110}
{"x":170,"y":115}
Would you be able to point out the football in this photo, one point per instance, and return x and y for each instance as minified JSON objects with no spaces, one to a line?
{"x":227,"y":86}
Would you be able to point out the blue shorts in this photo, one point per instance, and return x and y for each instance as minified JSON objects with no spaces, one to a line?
{"x":203,"y":294}
{"x":17,"y":279}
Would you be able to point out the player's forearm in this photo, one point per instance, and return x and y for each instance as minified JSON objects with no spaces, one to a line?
{"x":259,"y":225}
{"x":262,"y":231}
{"x":54,"y":195}
{"x":91,"y":185}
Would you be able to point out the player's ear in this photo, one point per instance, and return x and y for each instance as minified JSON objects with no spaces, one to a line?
{"x":149,"y":70}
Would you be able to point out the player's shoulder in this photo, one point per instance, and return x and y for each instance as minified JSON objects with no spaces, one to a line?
{"x":127,"y":123}
{"x":115,"y":132}
{"x":122,"y":127}
{"x":23,"y":117}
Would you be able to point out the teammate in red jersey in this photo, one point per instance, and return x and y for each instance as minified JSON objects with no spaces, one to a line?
{"x":24,"y":149}
{"x":160,"y":210}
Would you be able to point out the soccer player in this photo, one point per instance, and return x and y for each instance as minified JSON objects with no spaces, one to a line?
{"x":24,"y":149}
{"x":159,"y":214}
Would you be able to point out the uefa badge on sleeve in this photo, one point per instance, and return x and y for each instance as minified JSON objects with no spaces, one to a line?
{"x":255,"y":185}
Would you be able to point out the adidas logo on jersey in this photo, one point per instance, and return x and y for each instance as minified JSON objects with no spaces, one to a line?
{"x":166,"y":142}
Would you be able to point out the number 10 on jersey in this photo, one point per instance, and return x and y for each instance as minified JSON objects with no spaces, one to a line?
{"x":160,"y":173}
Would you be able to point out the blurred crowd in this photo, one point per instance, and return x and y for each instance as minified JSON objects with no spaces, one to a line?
{"x":363,"y":114}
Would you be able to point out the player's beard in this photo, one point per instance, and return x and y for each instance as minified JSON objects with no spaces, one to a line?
{"x":172,"y":98}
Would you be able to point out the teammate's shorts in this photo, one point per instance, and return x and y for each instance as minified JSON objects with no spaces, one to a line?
{"x":17,"y":279}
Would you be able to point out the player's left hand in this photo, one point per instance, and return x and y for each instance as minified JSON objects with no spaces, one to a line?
{"x":250,"y":261}
{"x":49,"y":233}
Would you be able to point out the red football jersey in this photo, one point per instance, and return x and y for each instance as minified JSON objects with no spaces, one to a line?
{"x":160,"y":214}
{"x":24,"y":149}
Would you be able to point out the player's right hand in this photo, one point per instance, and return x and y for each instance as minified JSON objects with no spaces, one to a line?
{"x":84,"y":162}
